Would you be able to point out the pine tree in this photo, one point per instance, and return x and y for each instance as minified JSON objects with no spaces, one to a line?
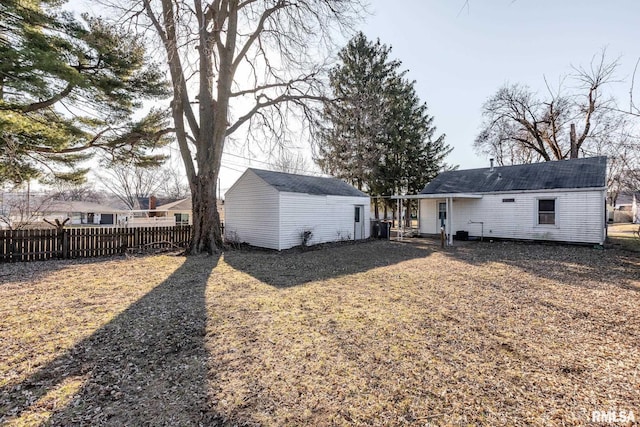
{"x":379,"y":136}
{"x":68,"y":87}
{"x":350,"y":146}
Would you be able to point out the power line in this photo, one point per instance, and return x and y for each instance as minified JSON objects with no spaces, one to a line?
{"x":249,"y":159}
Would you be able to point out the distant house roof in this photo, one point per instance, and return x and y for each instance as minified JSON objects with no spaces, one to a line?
{"x":178,"y":205}
{"x":292,"y":183}
{"x":626,"y":198}
{"x":563,"y":174}
{"x":76,"y":206}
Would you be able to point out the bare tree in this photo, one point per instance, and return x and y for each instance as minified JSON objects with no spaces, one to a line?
{"x":234,"y":63}
{"x":71,"y":192}
{"x":290,"y":161}
{"x":129,"y":182}
{"x":174,"y":183}
{"x":519,"y":127}
{"x":21,"y":209}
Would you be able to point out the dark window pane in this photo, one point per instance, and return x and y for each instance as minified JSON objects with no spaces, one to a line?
{"x":546,"y":218}
{"x":547,"y":205}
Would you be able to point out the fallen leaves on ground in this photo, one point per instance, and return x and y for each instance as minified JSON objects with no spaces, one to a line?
{"x":379,"y":333}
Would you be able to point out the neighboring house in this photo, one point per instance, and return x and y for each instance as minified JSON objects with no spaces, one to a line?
{"x":181,"y":210}
{"x":560,"y":201}
{"x":84,"y":213}
{"x":275,"y":210}
{"x":625,"y":208}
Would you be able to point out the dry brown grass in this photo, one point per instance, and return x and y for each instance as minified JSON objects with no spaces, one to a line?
{"x":625,"y":236}
{"x":378,"y":333}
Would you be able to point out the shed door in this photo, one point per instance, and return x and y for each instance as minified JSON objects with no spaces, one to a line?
{"x":358,"y":225}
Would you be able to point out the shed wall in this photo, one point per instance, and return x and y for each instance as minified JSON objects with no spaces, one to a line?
{"x":579,"y":216}
{"x":329,"y":218}
{"x":251,"y":212}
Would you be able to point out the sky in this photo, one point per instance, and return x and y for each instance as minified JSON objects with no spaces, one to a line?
{"x":461,"y":52}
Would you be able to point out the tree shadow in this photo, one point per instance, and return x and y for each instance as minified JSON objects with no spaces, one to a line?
{"x":23,"y":272}
{"x":583,"y":266}
{"x":298,"y":266}
{"x":148,"y":366}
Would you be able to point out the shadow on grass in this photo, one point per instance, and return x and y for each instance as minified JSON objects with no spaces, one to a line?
{"x":296,"y":266}
{"x":148,"y":366}
{"x":23,"y":272}
{"x":568,"y":264}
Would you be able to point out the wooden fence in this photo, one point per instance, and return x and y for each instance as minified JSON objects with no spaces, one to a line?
{"x":37,"y":245}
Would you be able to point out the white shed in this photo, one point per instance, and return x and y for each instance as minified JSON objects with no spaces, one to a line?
{"x":275,"y":209}
{"x":559,"y":201}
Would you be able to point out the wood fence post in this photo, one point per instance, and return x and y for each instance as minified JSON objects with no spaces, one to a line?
{"x":66,"y":250}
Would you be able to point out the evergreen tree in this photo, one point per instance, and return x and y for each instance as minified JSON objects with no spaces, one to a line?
{"x":379,"y":136}
{"x":68,"y":87}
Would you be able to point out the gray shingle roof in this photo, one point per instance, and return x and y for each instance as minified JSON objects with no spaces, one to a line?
{"x":293,"y":183}
{"x":564,"y":174}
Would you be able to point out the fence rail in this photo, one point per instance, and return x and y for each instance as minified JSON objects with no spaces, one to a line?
{"x":39,"y":245}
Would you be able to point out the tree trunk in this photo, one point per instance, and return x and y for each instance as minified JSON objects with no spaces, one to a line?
{"x":206,"y":235}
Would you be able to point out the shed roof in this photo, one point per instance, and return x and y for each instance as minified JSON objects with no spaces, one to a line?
{"x":563,"y":174}
{"x":293,"y":183}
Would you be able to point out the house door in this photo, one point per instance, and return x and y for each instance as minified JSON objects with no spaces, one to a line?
{"x":442,"y":215}
{"x":358,"y":225}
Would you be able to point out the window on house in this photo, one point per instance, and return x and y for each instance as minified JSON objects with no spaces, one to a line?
{"x":546,"y":211}
{"x":182,"y":219}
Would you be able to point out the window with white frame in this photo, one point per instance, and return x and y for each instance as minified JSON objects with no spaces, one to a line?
{"x":546,"y":211}
{"x":182,"y":218}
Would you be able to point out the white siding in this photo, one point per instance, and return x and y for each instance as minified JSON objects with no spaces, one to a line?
{"x":251,"y":211}
{"x":429,"y":216}
{"x":579,"y":216}
{"x":329,"y":218}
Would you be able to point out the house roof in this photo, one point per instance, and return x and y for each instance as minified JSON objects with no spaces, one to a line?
{"x":626,"y":198}
{"x":178,"y":205}
{"x":563,"y":174}
{"x":292,"y":183}
{"x":77,"y":206}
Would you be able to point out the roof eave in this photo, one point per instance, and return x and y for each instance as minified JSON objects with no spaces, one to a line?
{"x":438,"y":196}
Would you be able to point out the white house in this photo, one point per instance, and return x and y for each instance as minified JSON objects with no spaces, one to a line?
{"x":83,"y":213}
{"x":559,"y":201}
{"x":276,"y":210}
{"x":180,"y":210}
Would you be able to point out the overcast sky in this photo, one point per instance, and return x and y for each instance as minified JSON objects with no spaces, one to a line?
{"x":460,"y":53}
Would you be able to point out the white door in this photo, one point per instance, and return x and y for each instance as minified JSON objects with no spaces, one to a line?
{"x":358,"y":225}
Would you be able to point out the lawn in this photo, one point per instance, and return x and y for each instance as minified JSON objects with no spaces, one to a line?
{"x":378,"y":333}
{"x":622,"y":236}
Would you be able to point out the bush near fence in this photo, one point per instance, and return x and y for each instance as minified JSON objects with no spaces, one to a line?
{"x":44,"y":244}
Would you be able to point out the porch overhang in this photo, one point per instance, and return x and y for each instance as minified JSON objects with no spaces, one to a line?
{"x":438,"y":196}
